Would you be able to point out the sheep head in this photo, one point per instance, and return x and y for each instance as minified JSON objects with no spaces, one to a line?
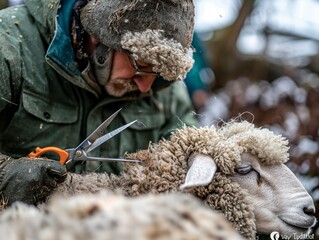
{"x":270,"y":192}
{"x":279,"y":200}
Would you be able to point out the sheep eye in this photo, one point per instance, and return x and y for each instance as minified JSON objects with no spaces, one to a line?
{"x":244,"y":169}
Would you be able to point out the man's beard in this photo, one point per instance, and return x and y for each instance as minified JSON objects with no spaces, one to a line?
{"x":120,"y":86}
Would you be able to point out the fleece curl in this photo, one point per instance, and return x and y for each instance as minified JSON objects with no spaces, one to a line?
{"x":228,"y":197}
{"x":168,"y":57}
{"x":268,"y":147}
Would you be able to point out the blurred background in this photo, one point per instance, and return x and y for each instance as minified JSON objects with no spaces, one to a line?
{"x":263,"y":64}
{"x":258,"y":60}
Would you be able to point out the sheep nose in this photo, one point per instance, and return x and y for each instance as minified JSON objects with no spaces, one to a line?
{"x":309,"y":210}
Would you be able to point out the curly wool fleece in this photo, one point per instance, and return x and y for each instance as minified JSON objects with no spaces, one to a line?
{"x":268,"y":147}
{"x":168,"y":57}
{"x":106,"y":216}
{"x":164,"y":168}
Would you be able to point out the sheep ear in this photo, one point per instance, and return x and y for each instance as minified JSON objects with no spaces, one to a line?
{"x":201,"y":171}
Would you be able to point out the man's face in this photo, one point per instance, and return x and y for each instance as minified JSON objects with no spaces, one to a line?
{"x":125,"y":74}
{"x":123,"y":77}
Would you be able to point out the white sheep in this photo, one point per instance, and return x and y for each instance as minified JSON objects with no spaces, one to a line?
{"x":236,"y":169}
{"x":106,"y":216}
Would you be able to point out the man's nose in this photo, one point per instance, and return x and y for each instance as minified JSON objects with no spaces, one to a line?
{"x":144,"y":83}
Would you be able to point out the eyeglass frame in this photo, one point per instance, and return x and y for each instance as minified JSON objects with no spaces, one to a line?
{"x":137,"y":70}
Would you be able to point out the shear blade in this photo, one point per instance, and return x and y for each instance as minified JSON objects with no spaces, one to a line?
{"x":97,"y":133}
{"x":108,"y":136}
{"x":107,"y":159}
{"x":100,"y":130}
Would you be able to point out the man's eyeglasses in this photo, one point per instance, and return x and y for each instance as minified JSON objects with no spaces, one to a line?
{"x":138,"y":69}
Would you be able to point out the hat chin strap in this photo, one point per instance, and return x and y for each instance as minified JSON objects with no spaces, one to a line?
{"x":101,"y":61}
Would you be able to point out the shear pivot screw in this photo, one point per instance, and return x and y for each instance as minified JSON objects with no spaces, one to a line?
{"x":78,"y":153}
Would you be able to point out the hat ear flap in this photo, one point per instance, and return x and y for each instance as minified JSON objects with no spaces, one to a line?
{"x":101,"y":61}
{"x":202,"y":169}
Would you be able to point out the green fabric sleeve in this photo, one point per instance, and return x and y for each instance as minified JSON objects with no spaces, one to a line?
{"x":10,"y":78}
{"x":5,"y":85}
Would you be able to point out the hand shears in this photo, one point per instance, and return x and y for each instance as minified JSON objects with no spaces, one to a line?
{"x":95,"y":139}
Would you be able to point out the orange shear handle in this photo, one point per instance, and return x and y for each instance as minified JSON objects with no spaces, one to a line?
{"x":39,"y":151}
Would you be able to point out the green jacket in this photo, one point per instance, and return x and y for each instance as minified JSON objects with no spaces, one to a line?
{"x":44,"y":101}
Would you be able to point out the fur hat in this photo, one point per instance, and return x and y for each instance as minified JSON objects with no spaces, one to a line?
{"x":158,"y":32}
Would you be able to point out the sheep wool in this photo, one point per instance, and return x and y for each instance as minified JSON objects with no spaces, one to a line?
{"x":106,"y":216}
{"x":268,"y":147}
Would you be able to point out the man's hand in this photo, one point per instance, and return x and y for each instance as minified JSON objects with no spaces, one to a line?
{"x":28,"y":180}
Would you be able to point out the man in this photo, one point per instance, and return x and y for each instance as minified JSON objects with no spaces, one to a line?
{"x":66,"y":66}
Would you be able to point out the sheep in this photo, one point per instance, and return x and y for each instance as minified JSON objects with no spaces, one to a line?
{"x":112,"y":216}
{"x":233,"y":169}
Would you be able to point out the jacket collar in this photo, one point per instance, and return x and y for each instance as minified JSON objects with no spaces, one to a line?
{"x":53,"y":19}
{"x":60,"y":49}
